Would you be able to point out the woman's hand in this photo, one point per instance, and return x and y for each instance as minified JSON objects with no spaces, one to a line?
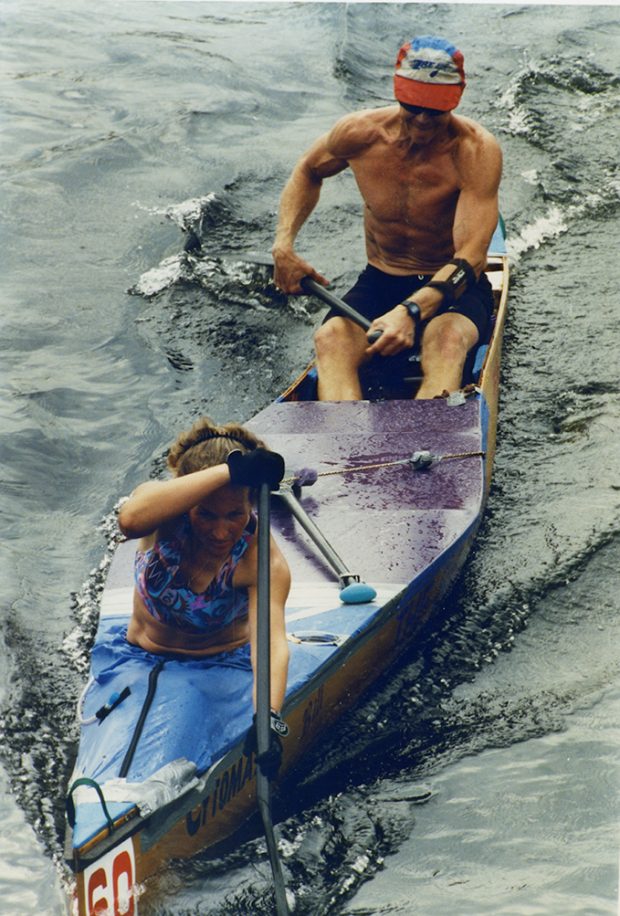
{"x":269,"y":761}
{"x":251,"y":469}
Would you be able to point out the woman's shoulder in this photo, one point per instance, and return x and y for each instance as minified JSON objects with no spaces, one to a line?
{"x":172,"y":534}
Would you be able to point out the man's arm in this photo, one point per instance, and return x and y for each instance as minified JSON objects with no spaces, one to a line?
{"x":477,"y":210}
{"x":475,"y":218}
{"x":299,"y":198}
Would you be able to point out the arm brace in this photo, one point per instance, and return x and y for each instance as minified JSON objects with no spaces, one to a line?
{"x":462,"y":277}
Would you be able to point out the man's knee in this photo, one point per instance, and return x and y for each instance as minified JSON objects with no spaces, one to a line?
{"x":451,"y":340}
{"x":340,"y":339}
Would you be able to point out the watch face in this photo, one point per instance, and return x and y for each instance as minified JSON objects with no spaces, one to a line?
{"x":414,"y":310}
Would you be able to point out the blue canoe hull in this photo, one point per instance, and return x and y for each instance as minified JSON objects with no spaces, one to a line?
{"x":406,"y":533}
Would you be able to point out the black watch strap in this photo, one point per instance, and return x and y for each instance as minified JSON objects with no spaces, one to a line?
{"x":413,"y":310}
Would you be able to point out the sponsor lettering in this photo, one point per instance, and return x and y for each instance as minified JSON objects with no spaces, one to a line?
{"x":109,"y":883}
{"x":312,"y":711}
{"x":229,"y":784}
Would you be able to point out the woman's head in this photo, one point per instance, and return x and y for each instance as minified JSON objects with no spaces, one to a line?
{"x":207,"y":444}
{"x":218,"y":520}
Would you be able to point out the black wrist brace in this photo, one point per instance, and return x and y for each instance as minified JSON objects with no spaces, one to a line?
{"x":462,"y":277}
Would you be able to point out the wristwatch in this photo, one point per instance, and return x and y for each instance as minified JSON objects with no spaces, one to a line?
{"x":413,"y":310}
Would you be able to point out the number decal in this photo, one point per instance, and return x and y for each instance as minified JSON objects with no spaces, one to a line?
{"x":109,"y":883}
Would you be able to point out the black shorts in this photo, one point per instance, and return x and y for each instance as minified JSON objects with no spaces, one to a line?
{"x":376,"y":292}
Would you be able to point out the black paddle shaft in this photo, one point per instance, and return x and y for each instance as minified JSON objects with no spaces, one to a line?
{"x":263,"y":695}
{"x":339,"y":305}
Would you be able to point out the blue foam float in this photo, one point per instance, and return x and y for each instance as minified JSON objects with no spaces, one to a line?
{"x":357,"y":593}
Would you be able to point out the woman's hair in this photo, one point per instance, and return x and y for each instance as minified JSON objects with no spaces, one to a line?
{"x":206,"y":444}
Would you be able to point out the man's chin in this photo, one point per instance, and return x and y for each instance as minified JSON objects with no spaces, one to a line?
{"x":422,"y":135}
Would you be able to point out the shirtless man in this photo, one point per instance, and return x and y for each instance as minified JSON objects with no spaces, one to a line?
{"x":429,"y":180}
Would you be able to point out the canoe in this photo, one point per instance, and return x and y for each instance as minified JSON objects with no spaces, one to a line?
{"x":399,"y":493}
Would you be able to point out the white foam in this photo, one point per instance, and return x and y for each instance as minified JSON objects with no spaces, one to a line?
{"x":557,"y":221}
{"x":158,"y":278}
{"x":530,"y":175}
{"x":518,"y":115}
{"x":187,"y":215}
{"x":550,"y":225}
{"x":184,"y":214}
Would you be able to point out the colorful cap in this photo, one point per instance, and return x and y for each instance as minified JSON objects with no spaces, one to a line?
{"x":429,"y":72}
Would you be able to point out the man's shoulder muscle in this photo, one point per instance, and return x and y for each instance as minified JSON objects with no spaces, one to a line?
{"x":478,"y":152}
{"x":356,"y":132}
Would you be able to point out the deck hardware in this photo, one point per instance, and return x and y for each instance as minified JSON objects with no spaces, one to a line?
{"x":353,"y":591}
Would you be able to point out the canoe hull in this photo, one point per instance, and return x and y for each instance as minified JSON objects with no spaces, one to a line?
{"x":407,"y":533}
{"x":226,"y":799}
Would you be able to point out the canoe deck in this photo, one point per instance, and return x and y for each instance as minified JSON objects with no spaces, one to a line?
{"x":419,"y":513}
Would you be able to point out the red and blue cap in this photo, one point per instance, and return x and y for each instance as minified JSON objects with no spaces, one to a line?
{"x":429,"y":72}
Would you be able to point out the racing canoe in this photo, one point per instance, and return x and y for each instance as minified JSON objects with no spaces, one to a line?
{"x":161,"y":772}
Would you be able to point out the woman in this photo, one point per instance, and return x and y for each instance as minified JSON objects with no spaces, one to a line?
{"x":196,"y":561}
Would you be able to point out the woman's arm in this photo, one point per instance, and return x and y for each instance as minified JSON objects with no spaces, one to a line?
{"x":280,"y":583}
{"x":158,"y":501}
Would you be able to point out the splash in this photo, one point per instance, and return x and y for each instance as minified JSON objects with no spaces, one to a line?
{"x":558,"y":220}
{"x":171,"y":270}
{"x":188,"y":213}
{"x":548,"y":226}
{"x":86,"y":602}
{"x":546,"y":96}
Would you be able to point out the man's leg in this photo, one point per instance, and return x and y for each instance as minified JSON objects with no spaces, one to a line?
{"x":446,"y":342}
{"x":340,"y":346}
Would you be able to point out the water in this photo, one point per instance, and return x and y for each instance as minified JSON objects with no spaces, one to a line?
{"x":123,"y":126}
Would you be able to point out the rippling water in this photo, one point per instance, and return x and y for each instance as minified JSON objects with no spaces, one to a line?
{"x":126,"y":125}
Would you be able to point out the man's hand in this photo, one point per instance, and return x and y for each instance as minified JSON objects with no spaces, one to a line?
{"x":290,"y":270}
{"x":397,"y":332}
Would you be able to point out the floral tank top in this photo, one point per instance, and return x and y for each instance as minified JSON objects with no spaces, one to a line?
{"x":166,"y":594}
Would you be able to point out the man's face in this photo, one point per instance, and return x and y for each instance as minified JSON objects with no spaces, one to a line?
{"x":422,"y":124}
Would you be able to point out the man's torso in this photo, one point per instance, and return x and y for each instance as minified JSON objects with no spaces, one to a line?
{"x":410,"y":193}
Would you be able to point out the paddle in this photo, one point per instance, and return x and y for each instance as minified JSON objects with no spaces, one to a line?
{"x":263,"y":696}
{"x":308,"y":285}
{"x":338,"y":305}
